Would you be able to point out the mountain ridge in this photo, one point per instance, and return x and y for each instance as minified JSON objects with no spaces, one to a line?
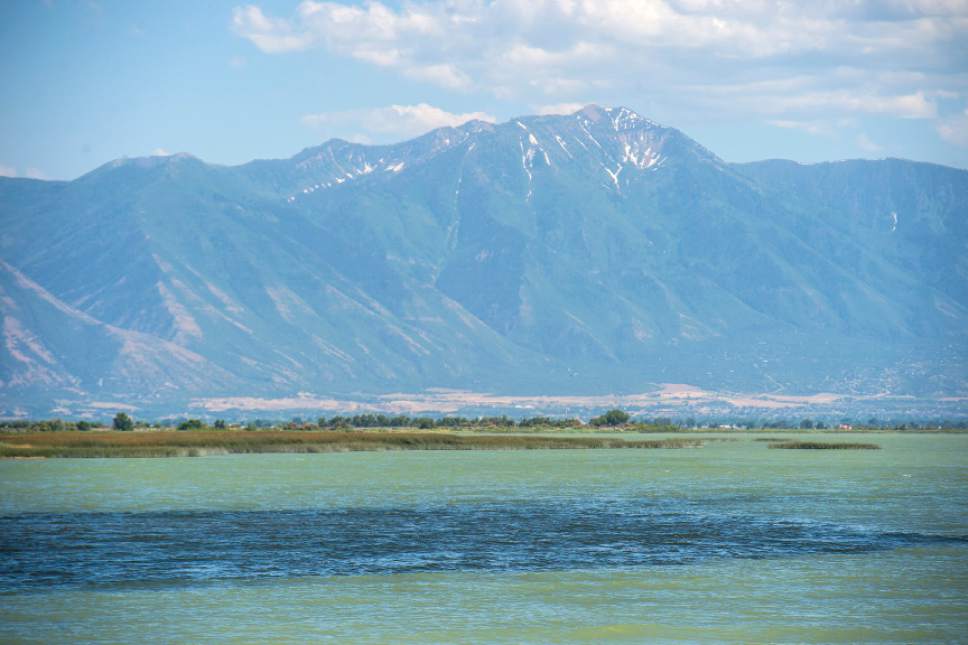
{"x":592,"y":251}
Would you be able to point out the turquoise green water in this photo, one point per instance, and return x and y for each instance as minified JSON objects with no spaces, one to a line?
{"x":888,"y":590}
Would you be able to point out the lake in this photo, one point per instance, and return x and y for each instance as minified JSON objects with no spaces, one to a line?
{"x":730,"y":542}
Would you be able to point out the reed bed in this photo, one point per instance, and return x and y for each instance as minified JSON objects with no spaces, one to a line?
{"x":823,"y":445}
{"x":191,"y":444}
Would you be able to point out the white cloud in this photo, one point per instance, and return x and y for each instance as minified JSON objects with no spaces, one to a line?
{"x":560,"y":108}
{"x":394,"y":121}
{"x":160,"y":152}
{"x":556,"y":31}
{"x":30,"y":173}
{"x":35,"y":173}
{"x":788,"y":61}
{"x":864,"y":143}
{"x":444,"y":75}
{"x":810,"y":127}
{"x":836,"y":128}
{"x":955,"y":129}
{"x":908,"y":106}
{"x":271,"y":35}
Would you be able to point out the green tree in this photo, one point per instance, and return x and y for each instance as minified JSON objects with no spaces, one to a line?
{"x":611,"y":418}
{"x":806,"y":424}
{"x":220,"y":424}
{"x":123,"y":422}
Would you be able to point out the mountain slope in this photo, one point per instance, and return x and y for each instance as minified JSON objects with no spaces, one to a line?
{"x":591,"y":252}
{"x":50,"y":346}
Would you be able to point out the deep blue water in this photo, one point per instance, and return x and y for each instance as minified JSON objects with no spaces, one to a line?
{"x":44,"y":550}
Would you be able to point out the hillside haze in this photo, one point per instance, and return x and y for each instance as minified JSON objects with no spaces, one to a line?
{"x":593,"y":252}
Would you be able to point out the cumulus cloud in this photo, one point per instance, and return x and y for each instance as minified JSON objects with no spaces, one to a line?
{"x":443,"y":75}
{"x":160,"y":152}
{"x":810,"y":127}
{"x":908,"y":106}
{"x":35,"y":173}
{"x":805,"y":100}
{"x":864,"y":143}
{"x":29,"y":173}
{"x":271,"y":35}
{"x":560,"y":108}
{"x":391,"y":122}
{"x":786,"y":61}
{"x":955,"y":129}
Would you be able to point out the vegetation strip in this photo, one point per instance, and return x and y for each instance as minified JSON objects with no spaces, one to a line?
{"x":190,"y":444}
{"x":821,"y":445}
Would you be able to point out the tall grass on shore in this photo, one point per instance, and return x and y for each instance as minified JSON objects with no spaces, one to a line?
{"x":823,"y":445}
{"x":190,"y":444}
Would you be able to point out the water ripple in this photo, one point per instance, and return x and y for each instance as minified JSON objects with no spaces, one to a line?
{"x":99,"y":549}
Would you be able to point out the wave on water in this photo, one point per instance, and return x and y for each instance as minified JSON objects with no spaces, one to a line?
{"x":39,"y":550}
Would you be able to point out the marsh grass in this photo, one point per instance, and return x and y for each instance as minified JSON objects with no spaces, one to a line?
{"x":823,"y":445}
{"x":191,"y":444}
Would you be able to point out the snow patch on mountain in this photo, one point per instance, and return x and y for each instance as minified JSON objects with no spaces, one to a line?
{"x":563,"y":146}
{"x":614,"y":175}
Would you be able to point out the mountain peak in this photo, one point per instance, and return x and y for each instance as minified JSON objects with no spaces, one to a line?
{"x":621,"y":118}
{"x":180,"y":160}
{"x":476,"y":125}
{"x":155,"y":159}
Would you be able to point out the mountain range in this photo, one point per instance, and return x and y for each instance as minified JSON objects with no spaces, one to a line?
{"x":587,"y":253}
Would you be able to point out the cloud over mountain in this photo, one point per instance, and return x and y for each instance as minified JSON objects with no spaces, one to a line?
{"x":397,"y":121}
{"x":826,"y":58}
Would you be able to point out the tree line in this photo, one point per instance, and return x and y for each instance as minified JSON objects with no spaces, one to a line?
{"x":615,"y":418}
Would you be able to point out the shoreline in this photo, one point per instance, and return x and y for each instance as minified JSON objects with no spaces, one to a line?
{"x":206,"y":441}
{"x":174,"y":443}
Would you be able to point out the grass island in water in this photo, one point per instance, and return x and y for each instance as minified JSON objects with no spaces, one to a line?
{"x":791,"y":444}
{"x":173,"y":443}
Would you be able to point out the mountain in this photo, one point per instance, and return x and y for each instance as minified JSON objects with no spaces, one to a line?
{"x":588,"y":253}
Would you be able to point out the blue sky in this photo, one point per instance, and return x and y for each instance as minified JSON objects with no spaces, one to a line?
{"x":88,"y":81}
